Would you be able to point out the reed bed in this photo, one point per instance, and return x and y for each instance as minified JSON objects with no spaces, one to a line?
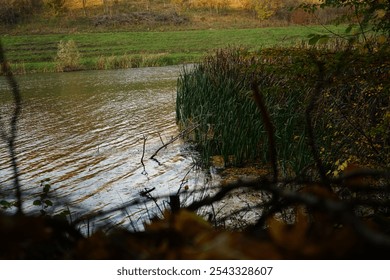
{"x":216,"y":97}
{"x":135,"y":61}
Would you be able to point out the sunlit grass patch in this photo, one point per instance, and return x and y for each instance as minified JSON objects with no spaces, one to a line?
{"x":177,"y":46}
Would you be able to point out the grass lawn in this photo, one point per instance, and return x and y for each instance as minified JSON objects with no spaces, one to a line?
{"x":36,"y":53}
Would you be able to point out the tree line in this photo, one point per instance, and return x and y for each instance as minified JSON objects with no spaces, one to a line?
{"x":17,"y":11}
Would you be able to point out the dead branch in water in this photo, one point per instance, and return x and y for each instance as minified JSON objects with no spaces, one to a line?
{"x":142,"y":157}
{"x":181,"y":134}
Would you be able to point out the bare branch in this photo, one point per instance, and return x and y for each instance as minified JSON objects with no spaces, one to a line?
{"x":268,"y":127}
{"x":184,"y":132}
{"x":310,"y":131}
{"x":142,"y":157}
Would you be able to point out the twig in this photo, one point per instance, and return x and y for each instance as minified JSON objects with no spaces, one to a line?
{"x":310,"y":131}
{"x":268,"y":127}
{"x":183,"y":181}
{"x":147,"y":193}
{"x":164,"y":146}
{"x":360,"y":23}
{"x":186,"y":131}
{"x":142,"y":157}
{"x":128,"y":214}
{"x":214,"y":215}
{"x":159,"y":135}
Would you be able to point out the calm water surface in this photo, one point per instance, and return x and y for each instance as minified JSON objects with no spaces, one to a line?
{"x":85,"y":131}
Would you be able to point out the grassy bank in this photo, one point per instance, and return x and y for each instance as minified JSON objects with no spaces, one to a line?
{"x":110,"y":50}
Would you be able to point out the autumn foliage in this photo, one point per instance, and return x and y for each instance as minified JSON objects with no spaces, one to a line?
{"x":278,"y":11}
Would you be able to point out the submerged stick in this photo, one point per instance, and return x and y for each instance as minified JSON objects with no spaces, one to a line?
{"x":189,"y":130}
{"x":142,"y":157}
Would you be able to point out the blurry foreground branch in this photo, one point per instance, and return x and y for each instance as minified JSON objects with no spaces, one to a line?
{"x":9,"y":137}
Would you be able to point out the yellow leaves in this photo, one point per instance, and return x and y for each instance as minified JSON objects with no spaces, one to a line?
{"x":340,"y":167}
{"x":380,"y":14}
{"x":263,"y":9}
{"x":343,"y":165}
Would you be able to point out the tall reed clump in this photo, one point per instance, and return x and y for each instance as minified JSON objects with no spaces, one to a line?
{"x":215,"y":96}
{"x":135,"y":61}
{"x":349,"y":115}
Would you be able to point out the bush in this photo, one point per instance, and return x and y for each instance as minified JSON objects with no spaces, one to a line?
{"x":68,"y":56}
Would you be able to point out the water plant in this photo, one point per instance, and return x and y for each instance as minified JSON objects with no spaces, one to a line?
{"x":216,"y":95}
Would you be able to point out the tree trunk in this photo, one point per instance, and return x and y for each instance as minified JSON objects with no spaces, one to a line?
{"x":85,"y":7}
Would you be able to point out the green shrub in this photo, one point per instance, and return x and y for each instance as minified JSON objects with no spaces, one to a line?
{"x":68,"y":56}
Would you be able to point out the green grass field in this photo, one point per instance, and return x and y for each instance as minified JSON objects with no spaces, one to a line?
{"x":36,"y":53}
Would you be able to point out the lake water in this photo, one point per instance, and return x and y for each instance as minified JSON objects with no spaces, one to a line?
{"x":85,"y":131}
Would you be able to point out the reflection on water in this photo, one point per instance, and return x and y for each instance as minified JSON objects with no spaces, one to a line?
{"x":85,"y":130}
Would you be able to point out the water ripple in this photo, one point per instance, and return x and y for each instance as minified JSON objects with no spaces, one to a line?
{"x":85,"y":131}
